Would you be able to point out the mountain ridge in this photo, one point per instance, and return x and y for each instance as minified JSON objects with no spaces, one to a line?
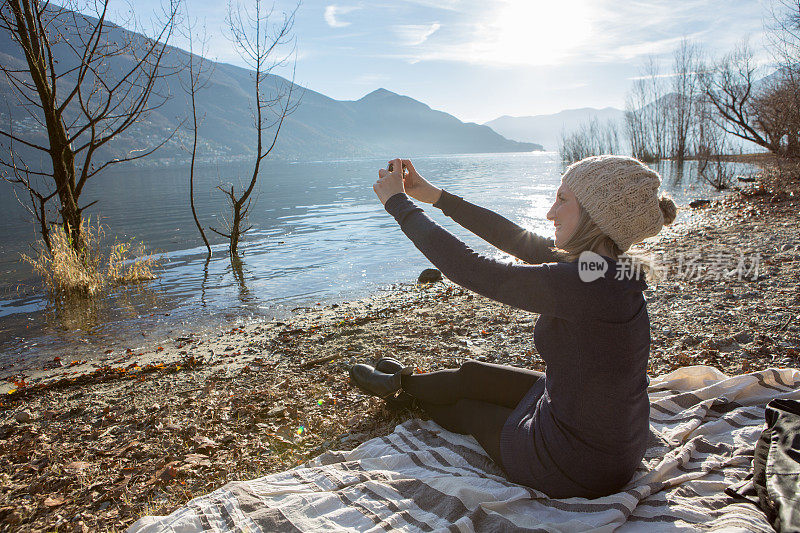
{"x":379,"y":124}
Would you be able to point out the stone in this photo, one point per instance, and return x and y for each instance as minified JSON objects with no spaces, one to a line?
{"x":692,"y":340}
{"x":277,"y":411}
{"x":23,"y":417}
{"x":699,"y":203}
{"x":352,"y":437}
{"x":429,"y":275}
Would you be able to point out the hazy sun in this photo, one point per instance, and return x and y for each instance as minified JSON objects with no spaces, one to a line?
{"x":533,"y":32}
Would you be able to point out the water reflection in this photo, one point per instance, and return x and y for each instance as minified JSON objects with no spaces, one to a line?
{"x":237,"y":269}
{"x":678,"y":173}
{"x":75,"y":313}
{"x":69,"y":321}
{"x":203,"y":302}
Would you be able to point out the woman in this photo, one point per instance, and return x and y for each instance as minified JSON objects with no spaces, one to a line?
{"x":582,"y":428}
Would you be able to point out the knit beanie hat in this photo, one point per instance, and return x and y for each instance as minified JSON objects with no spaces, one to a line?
{"x":620,"y":194}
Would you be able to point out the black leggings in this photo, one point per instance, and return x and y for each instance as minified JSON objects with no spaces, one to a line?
{"x":475,"y":399}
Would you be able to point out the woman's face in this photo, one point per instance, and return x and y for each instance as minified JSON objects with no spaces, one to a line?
{"x":565,"y":214}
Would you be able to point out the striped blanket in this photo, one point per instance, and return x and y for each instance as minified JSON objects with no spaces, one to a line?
{"x":704,"y":425}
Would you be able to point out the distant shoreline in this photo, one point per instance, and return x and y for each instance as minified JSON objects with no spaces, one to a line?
{"x":757,"y":158}
{"x":206,"y":162}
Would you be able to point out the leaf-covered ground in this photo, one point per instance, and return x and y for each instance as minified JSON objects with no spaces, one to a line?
{"x":96,"y":447}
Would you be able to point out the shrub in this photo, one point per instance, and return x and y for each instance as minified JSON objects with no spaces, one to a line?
{"x":65,"y":270}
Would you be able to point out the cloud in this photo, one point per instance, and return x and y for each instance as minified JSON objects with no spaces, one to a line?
{"x":522,"y":33}
{"x":332,"y":11}
{"x":415,"y":34}
{"x":511,"y":34}
{"x":449,"y":5}
{"x":651,"y":76}
{"x":516,"y":33}
{"x":661,"y":46}
{"x":660,"y":25}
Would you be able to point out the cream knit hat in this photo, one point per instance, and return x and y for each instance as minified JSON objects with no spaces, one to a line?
{"x":621,"y":196}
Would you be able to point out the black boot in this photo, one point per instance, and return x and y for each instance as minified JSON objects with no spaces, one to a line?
{"x":377,"y":383}
{"x":389,"y":365}
{"x":402,"y":400}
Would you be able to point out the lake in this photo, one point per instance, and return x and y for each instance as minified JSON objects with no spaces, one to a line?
{"x":319,"y":235}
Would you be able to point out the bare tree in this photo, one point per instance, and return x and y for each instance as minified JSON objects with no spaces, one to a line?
{"x":776,"y":112}
{"x":682,"y":106}
{"x":635,"y":126}
{"x":783,"y":30}
{"x":712,"y":164}
{"x":589,"y":138}
{"x":81,"y":88}
{"x":730,"y":86}
{"x":657,"y":109}
{"x":646,"y":114}
{"x":712,"y":144}
{"x":200,"y":71}
{"x":36,"y":203}
{"x":258,"y":43}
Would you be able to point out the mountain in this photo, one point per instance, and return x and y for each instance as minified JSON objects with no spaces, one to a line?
{"x":381,"y":124}
{"x":546,"y":129}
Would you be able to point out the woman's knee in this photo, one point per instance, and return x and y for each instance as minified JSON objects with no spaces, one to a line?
{"x":471,"y":368}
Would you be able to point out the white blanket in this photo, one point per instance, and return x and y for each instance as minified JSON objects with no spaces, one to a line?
{"x":703,"y":428}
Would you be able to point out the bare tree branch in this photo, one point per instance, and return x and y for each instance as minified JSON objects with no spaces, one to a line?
{"x":257,"y":46}
{"x":199,"y":78}
{"x":82,"y":99}
{"x":730,"y":87}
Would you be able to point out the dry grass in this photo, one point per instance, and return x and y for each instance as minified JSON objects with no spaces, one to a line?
{"x":64,"y":270}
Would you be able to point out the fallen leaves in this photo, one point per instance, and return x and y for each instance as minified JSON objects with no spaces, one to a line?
{"x":131,"y":450}
{"x":168,"y":473}
{"x":104,"y":374}
{"x":77,"y":466}
{"x":320,"y":360}
{"x":197,"y":459}
{"x":205,"y":444}
{"x":54,"y":501}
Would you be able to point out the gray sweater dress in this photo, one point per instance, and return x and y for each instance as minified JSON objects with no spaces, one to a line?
{"x":581,"y":430}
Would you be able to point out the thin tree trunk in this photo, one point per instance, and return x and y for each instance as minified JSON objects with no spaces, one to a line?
{"x":191,"y":165}
{"x":236,"y":229}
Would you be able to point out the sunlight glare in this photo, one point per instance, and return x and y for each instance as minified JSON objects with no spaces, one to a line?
{"x":527,"y":32}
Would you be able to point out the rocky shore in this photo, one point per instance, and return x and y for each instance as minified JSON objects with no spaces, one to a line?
{"x":94,"y":446}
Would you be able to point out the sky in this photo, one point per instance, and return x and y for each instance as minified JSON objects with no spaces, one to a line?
{"x":481,"y":59}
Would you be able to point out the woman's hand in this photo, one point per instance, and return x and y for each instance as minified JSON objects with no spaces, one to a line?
{"x":389,"y":183}
{"x":418,"y":187}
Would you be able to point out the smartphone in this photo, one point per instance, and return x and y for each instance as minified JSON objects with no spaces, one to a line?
{"x":390,"y":168}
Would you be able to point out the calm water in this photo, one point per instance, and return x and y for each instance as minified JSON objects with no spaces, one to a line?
{"x":320,"y":235}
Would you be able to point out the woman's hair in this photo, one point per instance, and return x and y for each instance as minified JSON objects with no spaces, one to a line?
{"x":589,"y":236}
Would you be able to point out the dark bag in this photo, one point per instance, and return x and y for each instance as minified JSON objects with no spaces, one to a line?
{"x":774,"y":484}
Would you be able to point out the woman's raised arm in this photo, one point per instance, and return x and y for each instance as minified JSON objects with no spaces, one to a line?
{"x":547,"y":289}
{"x":498,"y":230}
{"x":488,"y":225}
